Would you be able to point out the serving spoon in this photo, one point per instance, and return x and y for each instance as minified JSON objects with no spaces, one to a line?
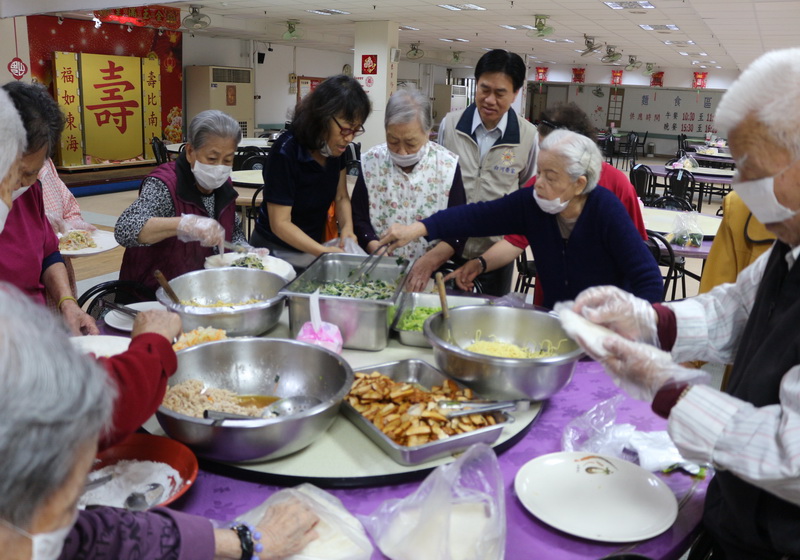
{"x":140,"y":501}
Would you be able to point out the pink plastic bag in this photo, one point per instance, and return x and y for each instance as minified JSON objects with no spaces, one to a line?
{"x":319,"y":332}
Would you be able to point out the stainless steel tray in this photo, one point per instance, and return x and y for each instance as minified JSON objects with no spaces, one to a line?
{"x":410,"y":300}
{"x":364,"y":324}
{"x":421,"y":373}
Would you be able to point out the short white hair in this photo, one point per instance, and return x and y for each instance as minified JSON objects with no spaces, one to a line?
{"x":767,"y":89}
{"x":12,"y":132}
{"x":581,"y":155}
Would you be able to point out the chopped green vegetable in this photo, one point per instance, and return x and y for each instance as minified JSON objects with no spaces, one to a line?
{"x":413,"y":319}
{"x":249,"y":261}
{"x":365,"y":289}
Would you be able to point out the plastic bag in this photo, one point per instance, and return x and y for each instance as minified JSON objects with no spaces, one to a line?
{"x":319,"y":332}
{"x":686,"y":231}
{"x":457,"y":513}
{"x":686,"y":162}
{"x":595,"y":431}
{"x":351,"y":247}
{"x":341,"y":535}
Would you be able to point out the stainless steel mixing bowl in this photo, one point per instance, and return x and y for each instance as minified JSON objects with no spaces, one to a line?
{"x":231,"y":285}
{"x":259,"y":366}
{"x":503,"y":378}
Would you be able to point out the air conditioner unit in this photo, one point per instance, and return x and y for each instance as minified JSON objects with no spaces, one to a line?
{"x":224,"y":88}
{"x":448,"y":98}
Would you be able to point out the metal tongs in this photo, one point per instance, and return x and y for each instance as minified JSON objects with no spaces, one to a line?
{"x":368,"y":264}
{"x":452,"y":408}
{"x":119,"y":307}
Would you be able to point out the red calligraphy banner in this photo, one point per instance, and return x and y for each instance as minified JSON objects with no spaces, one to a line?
{"x":143,"y":16}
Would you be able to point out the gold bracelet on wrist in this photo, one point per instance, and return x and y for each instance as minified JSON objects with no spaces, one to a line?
{"x":63,"y":299}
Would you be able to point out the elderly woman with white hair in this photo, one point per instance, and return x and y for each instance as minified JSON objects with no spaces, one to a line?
{"x":749,"y":431}
{"x":580,"y":236}
{"x":186,"y":208}
{"x":53,"y":407}
{"x":405,"y":179}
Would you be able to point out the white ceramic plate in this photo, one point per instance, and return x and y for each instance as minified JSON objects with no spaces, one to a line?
{"x":103,"y":239}
{"x":596,"y":497}
{"x":271,"y":264}
{"x":123,"y":322}
{"x":101,"y":346}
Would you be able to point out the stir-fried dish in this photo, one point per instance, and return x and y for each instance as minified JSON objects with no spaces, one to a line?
{"x":76,"y":240}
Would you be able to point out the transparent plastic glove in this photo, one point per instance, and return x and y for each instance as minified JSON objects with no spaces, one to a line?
{"x":620,"y":311}
{"x":641,"y":370}
{"x":79,"y":223}
{"x":199,"y":228}
{"x":57,"y":222}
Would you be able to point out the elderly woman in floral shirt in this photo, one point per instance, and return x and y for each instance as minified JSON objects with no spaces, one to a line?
{"x":406,"y":179}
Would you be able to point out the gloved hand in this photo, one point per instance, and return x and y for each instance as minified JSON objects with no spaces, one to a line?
{"x":57,"y":222}
{"x":199,"y":228}
{"x":641,"y":370}
{"x":620,"y":311}
{"x":79,"y":223}
{"x":260,"y":251}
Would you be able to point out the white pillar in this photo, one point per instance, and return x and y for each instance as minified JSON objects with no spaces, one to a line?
{"x":374,"y":41}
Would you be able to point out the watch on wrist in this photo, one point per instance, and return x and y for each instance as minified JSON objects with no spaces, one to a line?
{"x":483,"y":263}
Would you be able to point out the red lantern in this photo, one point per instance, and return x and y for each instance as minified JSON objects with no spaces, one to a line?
{"x":699,"y":81}
{"x":541,"y":75}
{"x":656,"y":80}
{"x":616,"y":78}
{"x":578,"y":75}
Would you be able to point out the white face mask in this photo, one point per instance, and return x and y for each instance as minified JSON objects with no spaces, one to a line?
{"x":325,"y":150}
{"x":19,"y":192}
{"x":406,"y":160}
{"x":47,"y":546}
{"x":554,"y":206}
{"x":759,"y":196}
{"x":4,"y":211}
{"x":211,"y":177}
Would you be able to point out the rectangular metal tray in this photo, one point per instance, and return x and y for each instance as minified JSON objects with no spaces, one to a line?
{"x":364,"y":324}
{"x":410,"y":300}
{"x":425,"y":375}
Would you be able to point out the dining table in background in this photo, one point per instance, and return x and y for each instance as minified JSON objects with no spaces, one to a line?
{"x":247,"y":182}
{"x":263,"y":143}
{"x":223,"y":491}
{"x":703,"y":176}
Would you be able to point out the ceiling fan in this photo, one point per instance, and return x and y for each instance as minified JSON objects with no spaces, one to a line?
{"x":649,"y":69}
{"x":633,"y":64}
{"x":415,"y":52}
{"x":611,"y":54}
{"x":598,"y":92}
{"x":591,"y":47}
{"x":541,"y":29}
{"x":196,"y":20}
{"x":292,"y":32}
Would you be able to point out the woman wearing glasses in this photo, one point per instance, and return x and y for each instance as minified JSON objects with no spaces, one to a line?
{"x":306,"y":172}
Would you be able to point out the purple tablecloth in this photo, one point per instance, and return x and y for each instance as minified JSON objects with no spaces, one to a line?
{"x":223,"y":498}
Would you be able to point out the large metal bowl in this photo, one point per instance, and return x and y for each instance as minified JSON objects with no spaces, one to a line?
{"x":259,"y":366}
{"x":502,"y":378}
{"x":229,"y":285}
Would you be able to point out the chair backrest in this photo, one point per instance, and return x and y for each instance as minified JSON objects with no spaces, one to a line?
{"x":646,"y":132}
{"x":680,"y":184}
{"x":117,"y":291}
{"x":673,"y":203}
{"x":159,"y":150}
{"x":255,"y":162}
{"x":252,"y":211}
{"x":642,"y":178}
{"x":664,"y":255}
{"x":607,"y":144}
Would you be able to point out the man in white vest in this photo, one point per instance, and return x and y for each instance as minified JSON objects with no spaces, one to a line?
{"x":496,"y":147}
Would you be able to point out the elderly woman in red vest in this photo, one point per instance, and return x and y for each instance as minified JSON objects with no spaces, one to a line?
{"x":186,"y":207}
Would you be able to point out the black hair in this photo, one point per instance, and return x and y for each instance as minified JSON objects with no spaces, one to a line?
{"x":40,"y":115}
{"x":339,"y":95}
{"x":499,"y":60}
{"x":568,"y":116}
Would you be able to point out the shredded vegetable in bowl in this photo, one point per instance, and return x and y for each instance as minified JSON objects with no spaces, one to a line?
{"x":365,"y":289}
{"x":413,"y":319}
{"x":249,"y":261}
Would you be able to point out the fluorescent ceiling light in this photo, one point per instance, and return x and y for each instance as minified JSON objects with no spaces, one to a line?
{"x":660,"y":27}
{"x":454,"y":40}
{"x":679,"y":43}
{"x":517,"y":27}
{"x":629,"y":5}
{"x":462,"y":7}
{"x":329,"y":12}
{"x":408,"y":28}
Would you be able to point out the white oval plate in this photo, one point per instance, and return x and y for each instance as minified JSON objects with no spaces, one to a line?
{"x":596,"y":497}
{"x":271,"y":264}
{"x":103,"y":239}
{"x":102,"y":346}
{"x":123,"y":322}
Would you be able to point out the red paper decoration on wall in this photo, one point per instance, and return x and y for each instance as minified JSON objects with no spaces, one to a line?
{"x":657,"y":79}
{"x":578,"y":75}
{"x":699,"y":81}
{"x":541,"y":73}
{"x":143,"y":16}
{"x":616,"y":77}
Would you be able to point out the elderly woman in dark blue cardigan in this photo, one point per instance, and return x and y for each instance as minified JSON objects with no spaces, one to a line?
{"x":580,"y":235}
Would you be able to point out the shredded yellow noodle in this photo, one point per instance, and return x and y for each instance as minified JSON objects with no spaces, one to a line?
{"x":508,"y":350}
{"x":218,"y":303}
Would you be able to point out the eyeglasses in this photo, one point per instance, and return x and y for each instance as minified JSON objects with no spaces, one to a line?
{"x":349,"y":131}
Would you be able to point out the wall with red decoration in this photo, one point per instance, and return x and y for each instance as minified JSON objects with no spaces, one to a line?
{"x":46,"y":35}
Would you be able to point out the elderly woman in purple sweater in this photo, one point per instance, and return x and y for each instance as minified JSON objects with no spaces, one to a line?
{"x":53,"y":405}
{"x":581,"y":236}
